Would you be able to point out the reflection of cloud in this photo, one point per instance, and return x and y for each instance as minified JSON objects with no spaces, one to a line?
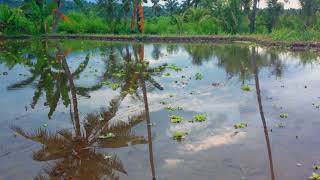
{"x":173,"y":162}
{"x":213,"y":141}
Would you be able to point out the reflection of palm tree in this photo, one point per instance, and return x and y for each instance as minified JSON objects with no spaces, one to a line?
{"x":256,"y":77}
{"x":75,"y":153}
{"x":50,"y":77}
{"x":146,"y":105}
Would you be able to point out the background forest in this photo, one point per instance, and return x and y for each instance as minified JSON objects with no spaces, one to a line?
{"x":170,"y":17}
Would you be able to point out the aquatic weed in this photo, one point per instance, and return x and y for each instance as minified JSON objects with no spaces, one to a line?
{"x":175,"y":119}
{"x":240,"y":125}
{"x":245,"y":87}
{"x":284,"y":115}
{"x":200,"y":117}
{"x":179,"y":135}
{"x":198,"y":76}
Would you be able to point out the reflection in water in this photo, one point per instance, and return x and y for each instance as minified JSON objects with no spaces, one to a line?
{"x":76,"y":152}
{"x":265,"y":128}
{"x":83,"y":151}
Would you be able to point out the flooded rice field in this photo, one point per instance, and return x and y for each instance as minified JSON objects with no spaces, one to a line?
{"x":85,"y":110}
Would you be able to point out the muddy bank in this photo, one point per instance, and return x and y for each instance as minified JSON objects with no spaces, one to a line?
{"x":301,"y":45}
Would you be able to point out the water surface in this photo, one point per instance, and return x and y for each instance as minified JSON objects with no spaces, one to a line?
{"x":99,"y":110}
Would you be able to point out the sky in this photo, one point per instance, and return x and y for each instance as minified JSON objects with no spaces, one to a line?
{"x":262,"y":3}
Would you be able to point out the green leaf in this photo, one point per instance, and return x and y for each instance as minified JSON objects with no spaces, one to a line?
{"x":245,"y":88}
{"x":279,"y":125}
{"x":175,"y":119}
{"x":315,"y":176}
{"x":200,"y":117}
{"x":179,"y":135}
{"x":107,"y":157}
{"x":240,"y":125}
{"x":284,"y":115}
{"x":316,"y":167}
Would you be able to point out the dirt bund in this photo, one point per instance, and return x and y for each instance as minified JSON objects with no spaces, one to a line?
{"x":301,"y":45}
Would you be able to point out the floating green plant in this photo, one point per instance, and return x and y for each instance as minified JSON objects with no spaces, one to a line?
{"x":105,"y":83}
{"x":316,"y":167}
{"x":172,"y":108}
{"x":200,"y":117}
{"x":279,"y":125}
{"x":315,"y":176}
{"x":174,"y":67}
{"x":284,"y":115}
{"x":240,"y":125}
{"x":179,"y":135}
{"x":167,"y":74}
{"x":175,"y":119}
{"x":45,"y":125}
{"x":245,"y":87}
{"x":198,"y":76}
{"x":107,"y":136}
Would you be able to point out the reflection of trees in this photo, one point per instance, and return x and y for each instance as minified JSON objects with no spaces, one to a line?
{"x":199,"y":53}
{"x":74,"y":152}
{"x":236,"y":61}
{"x":256,"y":77}
{"x":156,"y":52}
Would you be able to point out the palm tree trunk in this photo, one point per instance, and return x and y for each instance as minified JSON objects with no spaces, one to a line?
{"x":140,"y":18}
{"x":133,"y":14}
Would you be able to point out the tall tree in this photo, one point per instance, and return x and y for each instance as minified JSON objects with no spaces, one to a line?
{"x":273,"y":11}
{"x":253,"y":16}
{"x":172,"y":6}
{"x":156,"y":7}
{"x":309,"y":9}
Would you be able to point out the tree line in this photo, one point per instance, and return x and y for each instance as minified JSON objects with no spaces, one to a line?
{"x":189,"y":17}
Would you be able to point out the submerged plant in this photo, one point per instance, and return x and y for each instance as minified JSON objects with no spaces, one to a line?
{"x":172,"y":108}
{"x":179,"y":135}
{"x":279,"y":125}
{"x":245,"y":87}
{"x":240,"y":125}
{"x":198,"y":76}
{"x":284,"y":115}
{"x":175,"y":119}
{"x":200,"y":117}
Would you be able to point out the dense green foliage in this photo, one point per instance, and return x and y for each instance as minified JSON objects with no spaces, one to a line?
{"x":197,"y":17}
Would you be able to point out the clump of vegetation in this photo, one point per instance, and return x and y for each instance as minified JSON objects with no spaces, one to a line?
{"x":179,"y":135}
{"x":107,"y":136}
{"x":174,"y":67}
{"x":240,"y":125}
{"x":167,"y":74}
{"x":315,"y":176}
{"x":284,"y":115}
{"x":279,"y":125}
{"x":316,"y":167}
{"x":200,"y":117}
{"x":175,"y":119}
{"x":245,"y":87}
{"x":172,"y":108}
{"x":198,"y":76}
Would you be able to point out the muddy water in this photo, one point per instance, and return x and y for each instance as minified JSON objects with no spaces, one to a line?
{"x":97,"y":110}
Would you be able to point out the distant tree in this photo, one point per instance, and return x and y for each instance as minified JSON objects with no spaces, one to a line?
{"x":253,"y":16}
{"x":172,"y":6}
{"x":273,"y":11}
{"x":156,"y":7}
{"x":309,"y":9}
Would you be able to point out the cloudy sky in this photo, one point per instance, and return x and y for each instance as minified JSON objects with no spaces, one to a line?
{"x":287,"y":3}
